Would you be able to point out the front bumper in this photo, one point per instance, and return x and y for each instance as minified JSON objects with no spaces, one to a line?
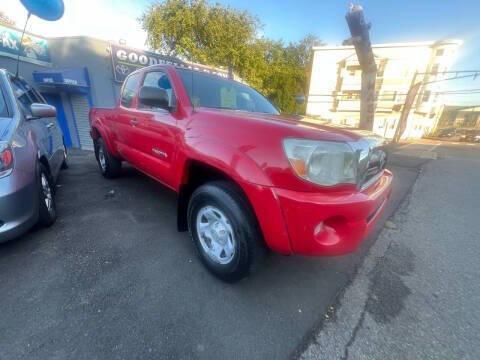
{"x":330,"y":224}
{"x":18,"y":204}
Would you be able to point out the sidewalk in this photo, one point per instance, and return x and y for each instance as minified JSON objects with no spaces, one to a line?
{"x":417,"y":294}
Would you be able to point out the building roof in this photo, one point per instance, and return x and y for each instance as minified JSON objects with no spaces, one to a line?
{"x":390,"y":45}
{"x":462,"y":108}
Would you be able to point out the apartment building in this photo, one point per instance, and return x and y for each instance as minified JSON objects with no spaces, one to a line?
{"x":460,"y":117}
{"x":335,"y":84}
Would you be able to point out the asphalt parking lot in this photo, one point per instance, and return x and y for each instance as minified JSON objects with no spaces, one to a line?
{"x":114,"y":279}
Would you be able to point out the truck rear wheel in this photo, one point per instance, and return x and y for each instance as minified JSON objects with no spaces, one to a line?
{"x":110,"y":166}
{"x":225,"y":231}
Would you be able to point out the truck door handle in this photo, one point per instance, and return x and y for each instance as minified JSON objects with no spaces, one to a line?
{"x":134,"y":122}
{"x":50,"y":125}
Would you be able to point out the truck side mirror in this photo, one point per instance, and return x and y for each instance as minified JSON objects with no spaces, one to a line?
{"x":153,"y":96}
{"x":39,"y":110}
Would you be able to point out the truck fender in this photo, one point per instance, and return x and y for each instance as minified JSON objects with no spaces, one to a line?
{"x":248,"y":176}
{"x":227,"y":159}
{"x":98,"y":130}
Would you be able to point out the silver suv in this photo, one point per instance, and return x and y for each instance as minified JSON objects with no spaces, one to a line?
{"x":32,"y":152}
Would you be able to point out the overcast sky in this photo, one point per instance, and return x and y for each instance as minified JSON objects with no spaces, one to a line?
{"x":393,"y":21}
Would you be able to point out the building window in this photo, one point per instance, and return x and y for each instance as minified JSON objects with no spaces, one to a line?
{"x":352,"y":69}
{"x":440,"y":52}
{"x":426,"y":96}
{"x":351,"y":95}
{"x":389,"y":96}
{"x":434,"y":70}
{"x":470,"y":120}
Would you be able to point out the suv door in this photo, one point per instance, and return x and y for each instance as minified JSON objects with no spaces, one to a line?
{"x":159,"y":130}
{"x":55,"y":136}
{"x":47,"y":131}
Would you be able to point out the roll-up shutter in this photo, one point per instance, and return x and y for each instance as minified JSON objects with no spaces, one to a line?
{"x":80,"y":109}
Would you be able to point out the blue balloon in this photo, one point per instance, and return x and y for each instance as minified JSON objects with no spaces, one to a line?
{"x":50,"y":10}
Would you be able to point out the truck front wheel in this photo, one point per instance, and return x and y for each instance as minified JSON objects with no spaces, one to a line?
{"x":224,"y":230}
{"x":109,"y":165}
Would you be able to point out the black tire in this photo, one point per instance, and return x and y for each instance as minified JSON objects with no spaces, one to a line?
{"x":111,"y":168}
{"x":47,"y":214}
{"x":248,"y":241}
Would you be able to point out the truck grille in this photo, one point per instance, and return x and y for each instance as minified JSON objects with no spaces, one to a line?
{"x":372,"y":159}
{"x":376,"y":165}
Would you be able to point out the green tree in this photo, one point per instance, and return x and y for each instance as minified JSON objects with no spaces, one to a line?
{"x":288,"y":72}
{"x":200,"y":32}
{"x":221,"y":36}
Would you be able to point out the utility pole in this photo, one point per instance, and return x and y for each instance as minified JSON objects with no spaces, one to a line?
{"x":409,"y":102}
{"x":360,"y":39}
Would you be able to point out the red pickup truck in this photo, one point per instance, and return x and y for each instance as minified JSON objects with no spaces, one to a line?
{"x":248,"y":179}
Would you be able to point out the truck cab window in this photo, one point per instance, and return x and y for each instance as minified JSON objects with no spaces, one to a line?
{"x":160,"y":79}
{"x":129,"y":89}
{"x":212,"y":91}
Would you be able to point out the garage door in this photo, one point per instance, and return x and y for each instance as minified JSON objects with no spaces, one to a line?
{"x":80,"y":109}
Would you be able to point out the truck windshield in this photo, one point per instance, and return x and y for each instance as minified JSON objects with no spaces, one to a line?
{"x":212,"y":91}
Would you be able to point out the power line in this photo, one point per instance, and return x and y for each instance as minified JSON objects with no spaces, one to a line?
{"x":446,"y":92}
{"x":450,"y":72}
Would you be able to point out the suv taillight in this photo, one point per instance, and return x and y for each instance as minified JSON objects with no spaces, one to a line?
{"x":6,"y":159}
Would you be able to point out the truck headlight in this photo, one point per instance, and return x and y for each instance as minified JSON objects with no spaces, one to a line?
{"x":325,"y":163}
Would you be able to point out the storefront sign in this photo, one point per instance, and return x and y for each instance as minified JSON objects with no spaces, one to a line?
{"x":34,"y":49}
{"x":74,"y":80}
{"x":126,"y":60}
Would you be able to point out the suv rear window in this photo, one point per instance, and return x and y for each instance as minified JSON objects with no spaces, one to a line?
{"x":3,"y":105}
{"x":25,"y":94}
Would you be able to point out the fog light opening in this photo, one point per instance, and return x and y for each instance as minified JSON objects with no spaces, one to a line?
{"x":318,"y":229}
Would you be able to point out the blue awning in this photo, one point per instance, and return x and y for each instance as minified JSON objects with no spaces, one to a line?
{"x":74,"y":80}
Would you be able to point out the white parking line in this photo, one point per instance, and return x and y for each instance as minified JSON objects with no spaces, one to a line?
{"x":434,"y":147}
{"x":405,"y":146}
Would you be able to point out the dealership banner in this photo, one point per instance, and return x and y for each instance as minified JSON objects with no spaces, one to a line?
{"x":126,"y":60}
{"x":34,"y":49}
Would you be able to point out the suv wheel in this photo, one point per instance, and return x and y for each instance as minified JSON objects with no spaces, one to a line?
{"x":109,"y":165}
{"x":46,"y":204}
{"x":224,"y":230}
{"x":65,"y":158}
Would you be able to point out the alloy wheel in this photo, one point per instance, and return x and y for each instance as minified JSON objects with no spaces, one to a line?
{"x":216,"y":234}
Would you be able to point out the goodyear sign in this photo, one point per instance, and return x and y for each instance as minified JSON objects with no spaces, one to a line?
{"x":33,"y":49}
{"x":126,"y":60}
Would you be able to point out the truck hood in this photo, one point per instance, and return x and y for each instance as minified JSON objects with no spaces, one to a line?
{"x":304,"y":126}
